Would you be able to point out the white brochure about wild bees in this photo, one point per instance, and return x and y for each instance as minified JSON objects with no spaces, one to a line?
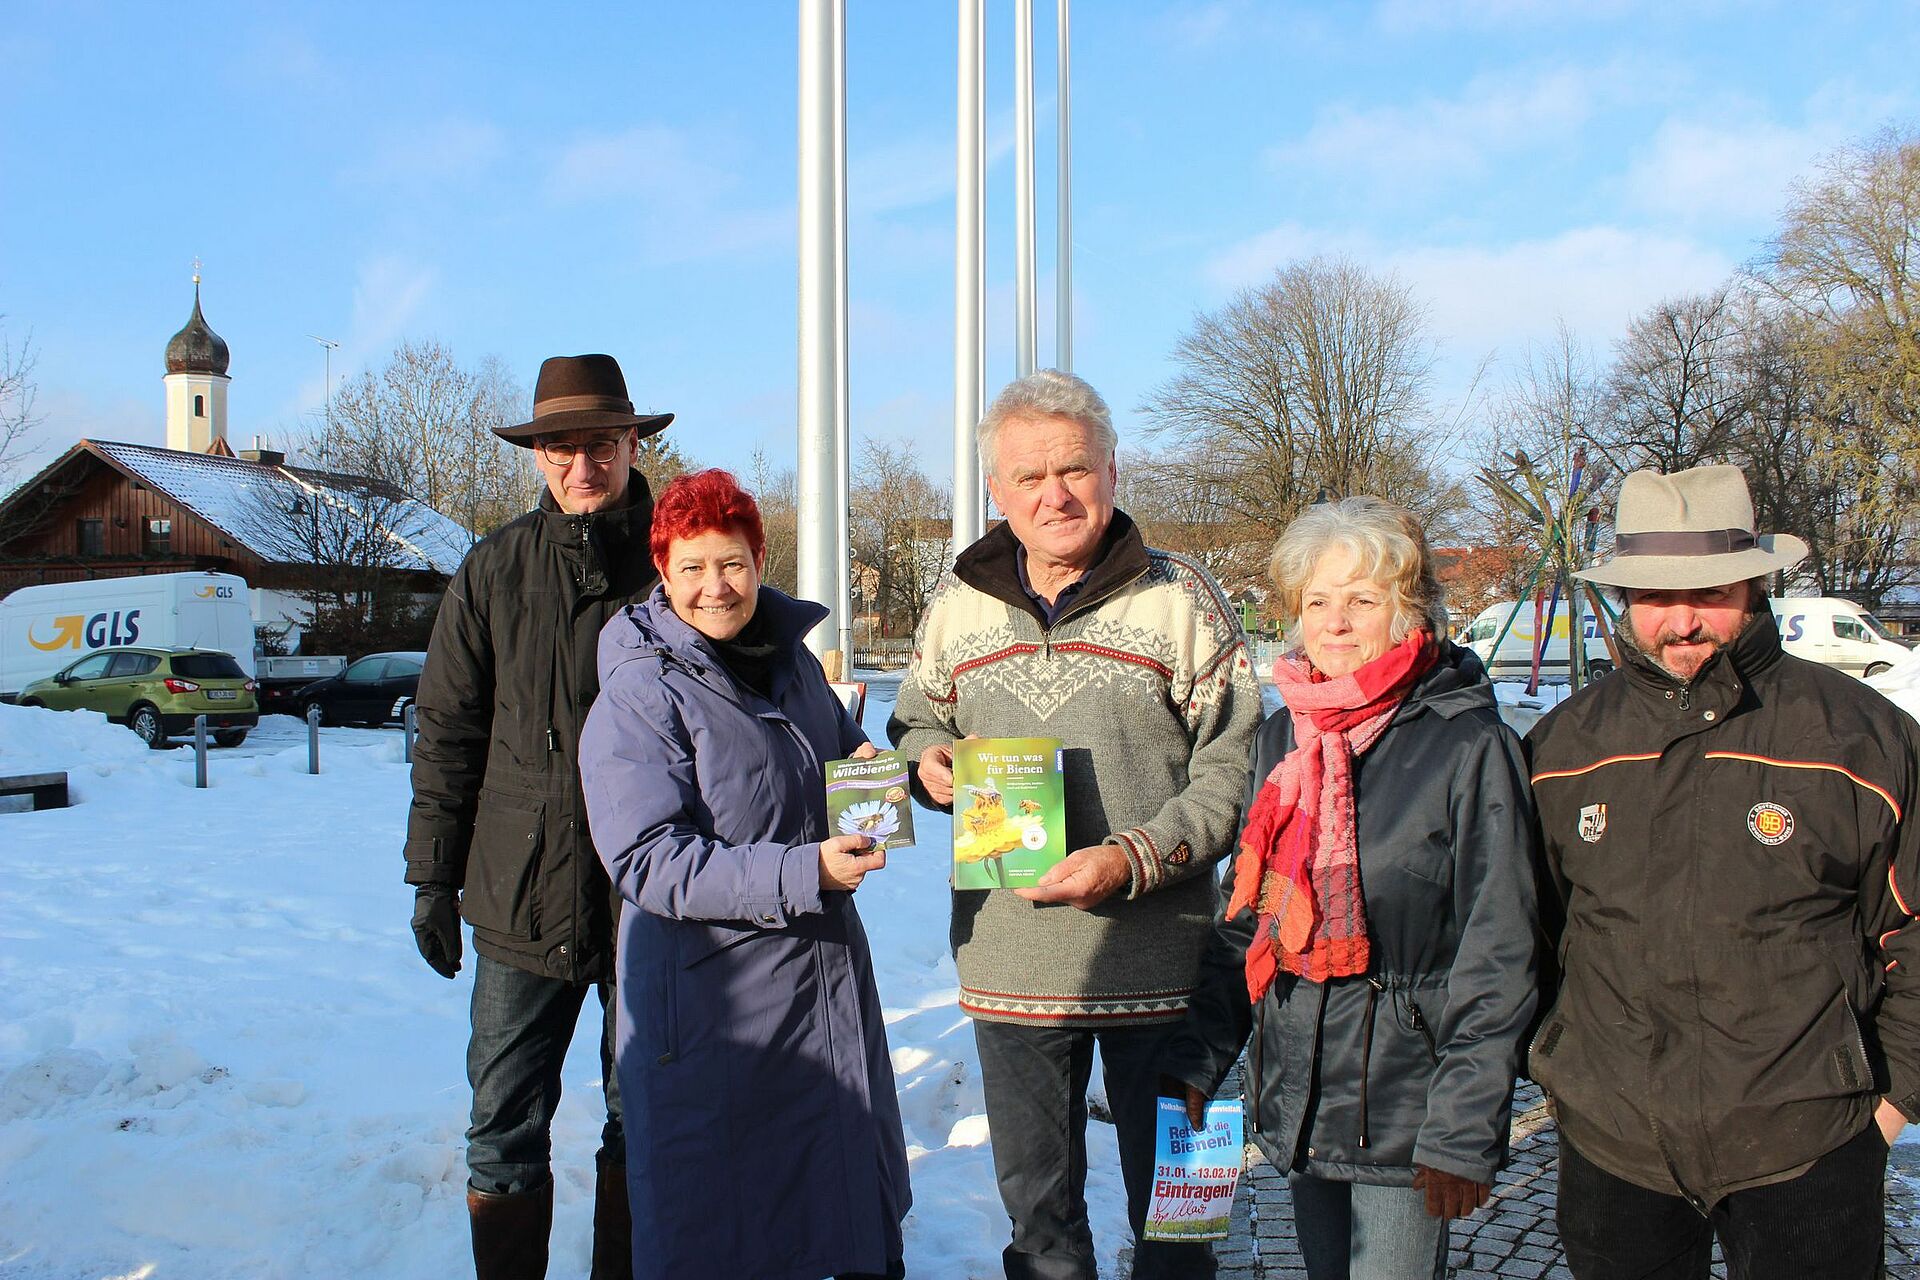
{"x":1195,"y":1172}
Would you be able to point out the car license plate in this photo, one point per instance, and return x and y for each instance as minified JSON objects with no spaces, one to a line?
{"x":223,"y":695}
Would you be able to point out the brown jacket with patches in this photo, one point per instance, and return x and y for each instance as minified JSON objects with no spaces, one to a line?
{"x":1729,"y":871}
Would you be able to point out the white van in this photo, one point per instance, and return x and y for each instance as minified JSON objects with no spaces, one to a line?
{"x":44,"y":628}
{"x":1837,"y":633}
{"x":1515,"y":659}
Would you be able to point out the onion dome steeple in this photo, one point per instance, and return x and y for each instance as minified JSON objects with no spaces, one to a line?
{"x":197,"y":348}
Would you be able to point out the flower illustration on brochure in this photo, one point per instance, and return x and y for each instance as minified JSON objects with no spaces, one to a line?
{"x":874,"y":818}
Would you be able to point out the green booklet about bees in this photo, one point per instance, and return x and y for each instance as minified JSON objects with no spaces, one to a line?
{"x":1009,"y":811}
{"x":869,"y":798}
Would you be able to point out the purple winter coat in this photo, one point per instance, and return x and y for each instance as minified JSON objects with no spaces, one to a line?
{"x":763,"y":1133}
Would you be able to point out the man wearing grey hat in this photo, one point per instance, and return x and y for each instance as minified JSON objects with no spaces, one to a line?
{"x":497,"y":834}
{"x":1728,"y":881}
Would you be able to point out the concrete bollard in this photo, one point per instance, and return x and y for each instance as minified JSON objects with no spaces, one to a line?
{"x":408,"y":728}
{"x":313,"y":738}
{"x":200,"y":752}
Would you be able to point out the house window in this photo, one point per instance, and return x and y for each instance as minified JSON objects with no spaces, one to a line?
{"x":88,"y":538}
{"x":159,"y":536}
{"x":199,"y":406}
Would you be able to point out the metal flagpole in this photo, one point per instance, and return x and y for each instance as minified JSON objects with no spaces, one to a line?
{"x":818,"y":457}
{"x":1063,"y":253}
{"x":841,"y":603}
{"x":1024,"y":286}
{"x":969,"y":278}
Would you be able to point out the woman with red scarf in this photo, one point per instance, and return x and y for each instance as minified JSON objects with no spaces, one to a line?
{"x":1376,"y":935}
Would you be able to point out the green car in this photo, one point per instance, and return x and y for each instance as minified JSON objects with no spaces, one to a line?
{"x":155,"y":692}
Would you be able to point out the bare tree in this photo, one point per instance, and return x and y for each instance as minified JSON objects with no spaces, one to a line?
{"x":1316,"y":379}
{"x":900,"y":525}
{"x":1175,"y":499}
{"x":774,"y":489}
{"x":17,"y":391}
{"x":1551,"y":406}
{"x":350,"y":536}
{"x":1677,"y":389}
{"x":423,"y":425}
{"x":1845,"y":263}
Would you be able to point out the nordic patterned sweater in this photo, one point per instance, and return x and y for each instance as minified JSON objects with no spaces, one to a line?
{"x":1147,"y":681}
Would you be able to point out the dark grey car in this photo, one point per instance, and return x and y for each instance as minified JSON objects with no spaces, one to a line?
{"x":372,"y":690}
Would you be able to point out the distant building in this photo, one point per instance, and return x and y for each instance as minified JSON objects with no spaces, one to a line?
{"x":107,"y":509}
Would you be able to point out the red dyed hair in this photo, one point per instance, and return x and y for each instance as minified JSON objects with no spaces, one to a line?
{"x":700,"y":502}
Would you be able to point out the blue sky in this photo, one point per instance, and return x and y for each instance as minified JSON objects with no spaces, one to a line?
{"x":621,"y":178}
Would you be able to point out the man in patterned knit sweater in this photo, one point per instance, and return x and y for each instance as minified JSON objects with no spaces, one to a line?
{"x":1062,"y":623}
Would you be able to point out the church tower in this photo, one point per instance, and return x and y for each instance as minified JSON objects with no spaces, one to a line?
{"x":197,"y":386}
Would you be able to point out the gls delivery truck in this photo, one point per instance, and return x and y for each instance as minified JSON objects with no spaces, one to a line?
{"x":44,"y":628}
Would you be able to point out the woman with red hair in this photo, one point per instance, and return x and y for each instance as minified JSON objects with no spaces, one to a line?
{"x":764,"y":1136}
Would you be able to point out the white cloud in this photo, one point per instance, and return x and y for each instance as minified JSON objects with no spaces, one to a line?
{"x":650,"y":160}
{"x":1497,"y":297}
{"x":1407,"y":17}
{"x":1440,"y":139}
{"x":1733,"y":162}
{"x":435,"y":153}
{"x":676,"y":186}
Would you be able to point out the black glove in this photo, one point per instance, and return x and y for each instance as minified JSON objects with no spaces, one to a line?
{"x":436,"y":926}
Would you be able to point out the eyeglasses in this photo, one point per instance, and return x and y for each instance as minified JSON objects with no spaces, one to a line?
{"x":561,"y":452}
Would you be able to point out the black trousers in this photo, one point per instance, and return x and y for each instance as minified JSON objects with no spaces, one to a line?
{"x":1035,"y":1080}
{"x":1828,"y":1222}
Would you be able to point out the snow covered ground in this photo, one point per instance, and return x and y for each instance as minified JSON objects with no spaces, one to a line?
{"x":221,"y":1056}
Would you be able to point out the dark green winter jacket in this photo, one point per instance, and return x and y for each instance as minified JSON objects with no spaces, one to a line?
{"x":510,"y":675}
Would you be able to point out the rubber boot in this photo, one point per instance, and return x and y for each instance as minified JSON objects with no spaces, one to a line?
{"x":510,"y":1232}
{"x":612,"y":1225}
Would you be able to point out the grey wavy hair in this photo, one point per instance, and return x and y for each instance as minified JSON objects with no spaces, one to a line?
{"x":1047,"y":393}
{"x":1386,"y":543}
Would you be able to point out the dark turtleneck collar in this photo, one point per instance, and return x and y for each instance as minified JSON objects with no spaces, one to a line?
{"x":992,"y":566}
{"x":751,"y":654}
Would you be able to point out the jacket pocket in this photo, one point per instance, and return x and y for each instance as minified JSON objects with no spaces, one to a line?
{"x":503,"y":867}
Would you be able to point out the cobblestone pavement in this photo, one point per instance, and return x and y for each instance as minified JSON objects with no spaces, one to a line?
{"x":1513,"y":1238}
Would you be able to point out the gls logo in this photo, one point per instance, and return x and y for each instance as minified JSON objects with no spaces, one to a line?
{"x":1792,"y":626}
{"x":76,"y":630}
{"x":214,"y":592}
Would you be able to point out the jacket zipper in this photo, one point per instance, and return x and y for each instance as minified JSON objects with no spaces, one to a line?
{"x":1374,"y":988}
{"x":1420,"y":1025}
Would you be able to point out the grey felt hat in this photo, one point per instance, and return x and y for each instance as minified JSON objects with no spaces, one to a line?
{"x":1689,"y":530}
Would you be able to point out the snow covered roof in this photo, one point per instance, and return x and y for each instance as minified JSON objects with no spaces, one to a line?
{"x":252,"y":502}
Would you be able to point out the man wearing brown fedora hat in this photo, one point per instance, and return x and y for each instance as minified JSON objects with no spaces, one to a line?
{"x":1729,"y":874}
{"x":497,"y":834}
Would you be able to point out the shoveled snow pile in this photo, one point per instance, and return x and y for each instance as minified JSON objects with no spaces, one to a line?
{"x":85,"y":744}
{"x":221,"y":1056}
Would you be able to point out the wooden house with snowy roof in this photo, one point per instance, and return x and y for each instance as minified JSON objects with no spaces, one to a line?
{"x":108,"y":509}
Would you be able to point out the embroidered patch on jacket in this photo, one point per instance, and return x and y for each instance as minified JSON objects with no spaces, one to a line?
{"x":1593,"y":823}
{"x":1769,"y":822}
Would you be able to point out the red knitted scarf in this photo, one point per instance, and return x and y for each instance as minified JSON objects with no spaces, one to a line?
{"x":1298,"y":862}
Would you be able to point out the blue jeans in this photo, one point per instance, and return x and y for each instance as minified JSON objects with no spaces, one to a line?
{"x":1035,"y":1081}
{"x":1366,"y":1232}
{"x":522,"y":1024}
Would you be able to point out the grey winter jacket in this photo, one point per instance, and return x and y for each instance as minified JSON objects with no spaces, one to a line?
{"x":1359,"y":1078}
{"x":763,"y":1130}
{"x":497,"y":810}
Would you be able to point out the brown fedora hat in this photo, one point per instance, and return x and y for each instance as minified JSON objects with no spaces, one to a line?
{"x":574,"y":392}
{"x":1690,"y":530}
